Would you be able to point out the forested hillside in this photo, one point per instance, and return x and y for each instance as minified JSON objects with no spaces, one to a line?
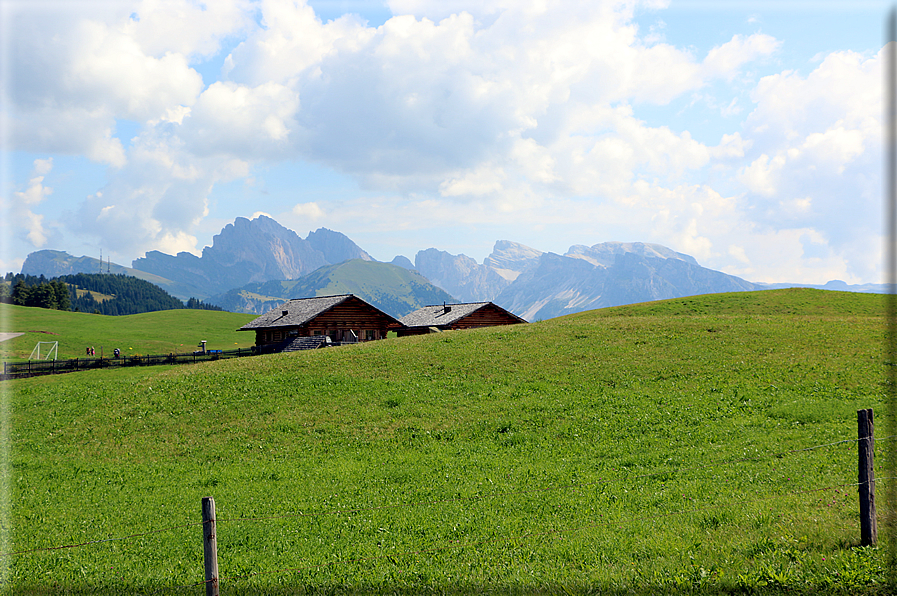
{"x":107,"y":294}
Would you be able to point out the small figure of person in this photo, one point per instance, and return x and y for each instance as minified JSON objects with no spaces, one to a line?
{"x":92,"y":352}
{"x":87,"y":351}
{"x":116,"y":352}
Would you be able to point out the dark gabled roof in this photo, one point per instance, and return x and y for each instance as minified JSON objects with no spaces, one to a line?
{"x":299,"y":311}
{"x":439,"y":316}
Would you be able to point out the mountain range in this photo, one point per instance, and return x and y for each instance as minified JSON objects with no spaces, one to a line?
{"x":543,"y":285}
{"x":255,"y":265}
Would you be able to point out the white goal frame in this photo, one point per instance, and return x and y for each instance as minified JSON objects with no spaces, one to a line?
{"x":51,"y":350}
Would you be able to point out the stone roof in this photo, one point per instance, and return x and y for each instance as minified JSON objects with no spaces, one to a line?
{"x":440,"y":315}
{"x":298,"y":312}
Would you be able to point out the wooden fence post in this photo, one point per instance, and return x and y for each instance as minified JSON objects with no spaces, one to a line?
{"x":866,"y":434}
{"x":209,"y":546}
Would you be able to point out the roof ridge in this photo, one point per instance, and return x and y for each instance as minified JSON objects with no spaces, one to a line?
{"x":454,"y":304}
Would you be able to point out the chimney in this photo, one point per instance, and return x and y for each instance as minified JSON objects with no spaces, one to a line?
{"x":284,"y":313}
{"x":446,"y":308}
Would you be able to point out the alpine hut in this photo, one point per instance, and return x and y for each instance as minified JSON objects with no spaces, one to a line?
{"x":444,"y":317}
{"x":304,"y":323}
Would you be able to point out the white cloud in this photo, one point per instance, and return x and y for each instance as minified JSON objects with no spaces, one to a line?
{"x":835,"y":147}
{"x":175,"y":243}
{"x":725,"y":60}
{"x":156,"y":198}
{"x":292,"y":40}
{"x":246,"y":122}
{"x":762,"y":175}
{"x":731,"y":147}
{"x":35,"y":193}
{"x":816,"y":156}
{"x":526,"y":112}
{"x":483,"y":181}
{"x":78,"y":70}
{"x":309,"y":211}
{"x":189,"y":28}
{"x":30,"y":225}
{"x":844,"y":88}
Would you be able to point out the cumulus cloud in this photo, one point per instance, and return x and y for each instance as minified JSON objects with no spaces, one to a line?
{"x":75,"y":74}
{"x":30,"y":225}
{"x":248,"y":122}
{"x":156,"y":198}
{"x":309,"y":211}
{"x":521,"y":111}
{"x":815,"y":158}
{"x":726,"y":60}
{"x":189,"y":28}
{"x":443,"y":88}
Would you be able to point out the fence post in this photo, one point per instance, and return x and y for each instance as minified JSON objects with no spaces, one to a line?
{"x":866,"y":448}
{"x":209,"y":546}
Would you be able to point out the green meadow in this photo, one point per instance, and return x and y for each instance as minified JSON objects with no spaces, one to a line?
{"x":694,"y":446}
{"x":163,"y":332}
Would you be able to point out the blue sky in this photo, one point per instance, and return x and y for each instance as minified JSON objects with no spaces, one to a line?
{"x":746,"y":134}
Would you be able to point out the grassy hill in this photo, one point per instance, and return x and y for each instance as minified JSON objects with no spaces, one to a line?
{"x":697,"y":445}
{"x":161,"y":332}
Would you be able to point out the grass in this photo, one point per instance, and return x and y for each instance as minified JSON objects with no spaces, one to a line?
{"x":162,"y":332}
{"x":641,"y":449}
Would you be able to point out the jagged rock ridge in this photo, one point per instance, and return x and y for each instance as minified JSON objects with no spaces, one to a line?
{"x":537,"y":285}
{"x":248,"y":251}
{"x":528,"y":282}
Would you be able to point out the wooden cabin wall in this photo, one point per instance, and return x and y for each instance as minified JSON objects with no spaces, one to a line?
{"x":349,"y":315}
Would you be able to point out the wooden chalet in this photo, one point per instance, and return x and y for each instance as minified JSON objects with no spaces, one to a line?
{"x":322,"y":320}
{"x":444,"y":317}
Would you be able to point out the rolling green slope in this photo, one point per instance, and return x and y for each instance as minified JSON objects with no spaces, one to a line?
{"x":161,"y":332}
{"x":394,"y":290}
{"x":695,"y":446}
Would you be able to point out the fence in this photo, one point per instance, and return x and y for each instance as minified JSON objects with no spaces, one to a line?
{"x":211,"y":532}
{"x":19,"y":370}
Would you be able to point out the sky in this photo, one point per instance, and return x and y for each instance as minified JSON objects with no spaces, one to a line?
{"x":745,"y":134}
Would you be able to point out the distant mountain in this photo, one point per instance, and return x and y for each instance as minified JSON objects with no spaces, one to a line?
{"x":393,"y":289}
{"x":335,"y":247}
{"x":835,"y":284}
{"x":537,"y":285}
{"x":402,"y":262}
{"x":562,"y":285}
{"x":254,"y":265}
{"x":54,"y":263}
{"x":247,"y":251}
{"x":460,"y":275}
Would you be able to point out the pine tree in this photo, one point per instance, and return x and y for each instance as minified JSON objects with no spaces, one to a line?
{"x":20,"y":293}
{"x":61,"y":295}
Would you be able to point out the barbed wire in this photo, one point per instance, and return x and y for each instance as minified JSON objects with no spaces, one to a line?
{"x":558,"y":487}
{"x":567,"y":486}
{"x":88,"y":543}
{"x":459,"y":544}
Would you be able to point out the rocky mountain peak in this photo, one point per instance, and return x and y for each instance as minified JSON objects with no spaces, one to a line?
{"x":605,"y":253}
{"x":268,"y":248}
{"x":245,"y":251}
{"x":510,"y":259}
{"x":336,"y":247}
